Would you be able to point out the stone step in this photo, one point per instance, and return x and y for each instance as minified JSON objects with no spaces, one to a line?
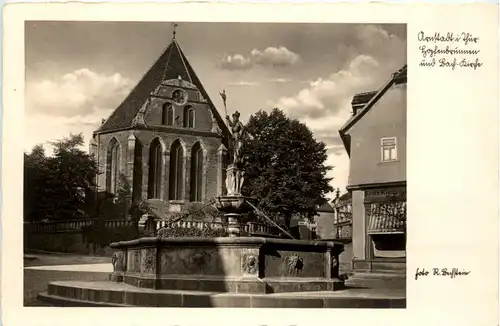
{"x":380,"y":271}
{"x":210,"y":283}
{"x":110,"y":294}
{"x":377,"y":275}
{"x":376,"y":281}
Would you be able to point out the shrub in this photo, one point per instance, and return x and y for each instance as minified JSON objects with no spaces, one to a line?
{"x":197,"y":212}
{"x":205,"y":232}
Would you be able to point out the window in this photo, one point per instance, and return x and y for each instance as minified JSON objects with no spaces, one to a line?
{"x":155,"y":167}
{"x":167,"y":114}
{"x":176,"y":169}
{"x":113,"y":166}
{"x":188,"y":117}
{"x":389,"y":149}
{"x":196,"y":173}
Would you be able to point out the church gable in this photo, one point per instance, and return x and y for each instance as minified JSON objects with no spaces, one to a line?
{"x":171,"y":77}
{"x":163,"y":112}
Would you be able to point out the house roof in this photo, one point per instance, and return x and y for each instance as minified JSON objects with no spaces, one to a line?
{"x":370,"y":98}
{"x":360,"y":100}
{"x":326,"y":208}
{"x":171,"y":64}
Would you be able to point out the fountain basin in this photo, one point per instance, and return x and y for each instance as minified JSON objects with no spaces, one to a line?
{"x":235,"y":265}
{"x":236,"y":204}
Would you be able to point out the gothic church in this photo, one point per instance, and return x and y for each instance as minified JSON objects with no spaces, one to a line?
{"x":167,"y":138}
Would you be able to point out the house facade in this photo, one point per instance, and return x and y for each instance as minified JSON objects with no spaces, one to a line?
{"x":324,"y":222}
{"x":375,"y":140}
{"x":342,"y":223}
{"x":166,"y":138}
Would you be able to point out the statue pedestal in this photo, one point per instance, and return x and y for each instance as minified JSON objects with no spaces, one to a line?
{"x":234,"y":180}
{"x":233,"y":205}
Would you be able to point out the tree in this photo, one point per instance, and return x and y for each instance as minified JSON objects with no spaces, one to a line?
{"x":284,"y":166}
{"x":115,"y":206}
{"x":35,"y":176}
{"x":58,"y":187}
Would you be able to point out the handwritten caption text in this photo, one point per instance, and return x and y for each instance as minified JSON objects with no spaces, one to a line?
{"x":450,"y":50}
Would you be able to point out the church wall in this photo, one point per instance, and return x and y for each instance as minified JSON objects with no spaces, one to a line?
{"x":144,"y":138}
{"x":103,"y":142}
{"x":203,"y":118}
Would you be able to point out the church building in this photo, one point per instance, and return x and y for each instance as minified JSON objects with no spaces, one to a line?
{"x":166,"y":137}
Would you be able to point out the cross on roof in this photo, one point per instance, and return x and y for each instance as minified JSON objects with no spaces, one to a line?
{"x":174,"y":32}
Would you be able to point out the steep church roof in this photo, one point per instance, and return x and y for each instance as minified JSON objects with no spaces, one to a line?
{"x":171,"y":64}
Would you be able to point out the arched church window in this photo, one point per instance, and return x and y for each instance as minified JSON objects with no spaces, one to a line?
{"x":189,"y":117}
{"x":196,"y":173}
{"x":167,"y":114}
{"x":176,"y":170}
{"x":155,"y":168}
{"x":113,"y":166}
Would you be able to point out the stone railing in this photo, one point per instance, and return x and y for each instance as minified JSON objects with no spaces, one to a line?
{"x":82,"y":236}
{"x":111,"y":224}
{"x":188,"y":224}
{"x":75,"y":225}
{"x":249,"y":228}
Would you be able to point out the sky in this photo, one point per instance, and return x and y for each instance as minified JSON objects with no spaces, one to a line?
{"x":77,"y":73}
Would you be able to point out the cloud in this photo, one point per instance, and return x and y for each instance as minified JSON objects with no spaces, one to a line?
{"x":81,"y":92}
{"x":375,"y":57}
{"x":236,"y":62}
{"x":270,"y":57}
{"x":325,"y":104}
{"x":332,"y":95}
{"x":280,"y":80}
{"x":335,"y":150}
{"x":276,"y":57}
{"x":43,"y":128}
{"x":243,"y":83}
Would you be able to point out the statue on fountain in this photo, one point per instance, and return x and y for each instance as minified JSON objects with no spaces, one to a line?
{"x":237,"y":130}
{"x":234,"y":205}
{"x":235,"y":175}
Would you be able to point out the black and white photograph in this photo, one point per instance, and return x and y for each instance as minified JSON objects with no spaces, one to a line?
{"x":215,"y":164}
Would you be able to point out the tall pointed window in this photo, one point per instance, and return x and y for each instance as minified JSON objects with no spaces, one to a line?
{"x":155,"y":168}
{"x":167,"y":114}
{"x":196,"y":173}
{"x":188,"y":117}
{"x":176,"y":171}
{"x":113,"y":166}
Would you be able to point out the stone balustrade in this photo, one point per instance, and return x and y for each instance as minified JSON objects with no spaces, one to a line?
{"x":80,"y":225}
{"x":250,"y":228}
{"x":75,"y":225}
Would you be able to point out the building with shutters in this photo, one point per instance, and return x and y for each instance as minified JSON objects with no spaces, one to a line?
{"x":375,"y":140}
{"x":166,"y":137}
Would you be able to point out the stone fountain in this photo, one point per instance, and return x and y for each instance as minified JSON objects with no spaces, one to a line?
{"x":232,"y":271}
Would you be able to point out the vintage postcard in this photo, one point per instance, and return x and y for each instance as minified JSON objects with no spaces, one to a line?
{"x":338,"y":159}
